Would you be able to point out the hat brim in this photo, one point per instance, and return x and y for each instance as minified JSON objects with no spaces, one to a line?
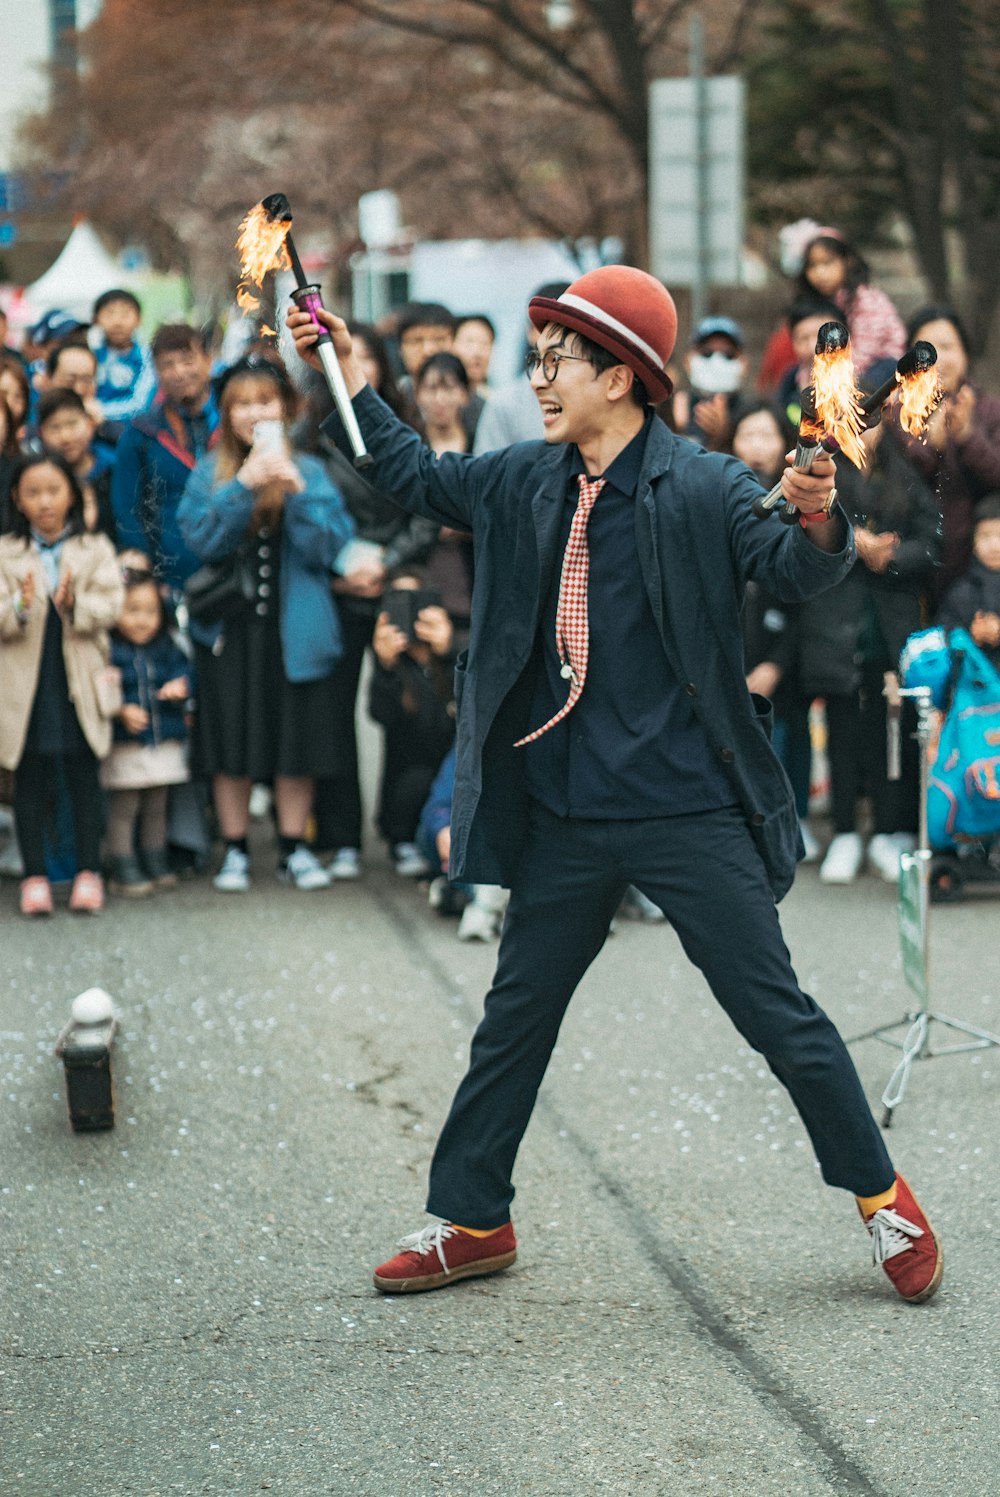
{"x":543,"y":309}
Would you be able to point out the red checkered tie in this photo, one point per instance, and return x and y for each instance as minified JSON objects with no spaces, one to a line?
{"x":572,"y":624}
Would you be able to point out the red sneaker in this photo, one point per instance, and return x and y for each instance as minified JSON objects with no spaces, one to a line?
{"x":905,"y":1244}
{"x":36,"y":896}
{"x":87,"y":894}
{"x":443,"y":1254}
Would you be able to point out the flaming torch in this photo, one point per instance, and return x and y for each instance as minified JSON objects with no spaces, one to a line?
{"x":832,"y":416}
{"x":265,"y":243}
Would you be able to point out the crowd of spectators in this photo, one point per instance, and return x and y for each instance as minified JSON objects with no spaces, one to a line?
{"x":191,"y":577}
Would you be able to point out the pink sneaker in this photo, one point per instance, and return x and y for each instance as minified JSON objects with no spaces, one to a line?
{"x":36,"y":896}
{"x":87,"y":894}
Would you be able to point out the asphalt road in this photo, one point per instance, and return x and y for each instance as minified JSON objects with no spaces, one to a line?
{"x":187,"y":1304}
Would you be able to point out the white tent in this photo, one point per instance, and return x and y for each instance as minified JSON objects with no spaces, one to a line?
{"x":72,"y":283}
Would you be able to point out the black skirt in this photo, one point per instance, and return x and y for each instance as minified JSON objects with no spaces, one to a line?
{"x":250,"y":719}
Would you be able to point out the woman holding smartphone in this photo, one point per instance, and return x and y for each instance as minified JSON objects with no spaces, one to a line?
{"x":265,"y":665}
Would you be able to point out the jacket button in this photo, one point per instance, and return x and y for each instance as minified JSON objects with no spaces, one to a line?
{"x":757,"y":819}
{"x":726,"y":755}
{"x":691,"y":689}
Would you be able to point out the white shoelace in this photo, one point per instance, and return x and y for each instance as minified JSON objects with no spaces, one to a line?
{"x":429,"y":1239}
{"x":891,"y":1234}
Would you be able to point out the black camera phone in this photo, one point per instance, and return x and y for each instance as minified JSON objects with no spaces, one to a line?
{"x":402,"y":604}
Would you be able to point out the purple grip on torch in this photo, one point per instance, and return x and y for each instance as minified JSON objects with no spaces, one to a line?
{"x":308,"y":299}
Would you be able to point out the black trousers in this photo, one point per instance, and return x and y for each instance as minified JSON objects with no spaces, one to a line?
{"x":337,"y":801}
{"x":34,"y":787}
{"x":705,"y":873}
{"x":856,"y":750}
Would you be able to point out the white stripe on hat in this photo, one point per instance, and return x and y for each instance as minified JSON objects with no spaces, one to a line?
{"x":599,"y":315}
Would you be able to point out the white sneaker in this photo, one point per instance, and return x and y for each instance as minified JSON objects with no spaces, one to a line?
{"x":410,"y":861}
{"x":345,"y":863}
{"x":477,"y":923}
{"x":234,"y":875}
{"x":810,"y":842}
{"x":884,"y":850}
{"x":843,"y":860}
{"x":304,"y":870}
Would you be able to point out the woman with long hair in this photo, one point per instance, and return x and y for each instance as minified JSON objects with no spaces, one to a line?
{"x":271,"y":523}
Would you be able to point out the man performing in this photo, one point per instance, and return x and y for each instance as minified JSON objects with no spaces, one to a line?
{"x":606,"y":738}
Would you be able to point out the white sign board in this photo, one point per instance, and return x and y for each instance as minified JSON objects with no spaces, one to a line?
{"x":696,"y":179}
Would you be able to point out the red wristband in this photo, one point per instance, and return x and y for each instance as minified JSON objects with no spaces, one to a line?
{"x":821,"y":514}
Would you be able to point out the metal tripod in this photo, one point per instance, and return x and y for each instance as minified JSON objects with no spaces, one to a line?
{"x":914,"y":916}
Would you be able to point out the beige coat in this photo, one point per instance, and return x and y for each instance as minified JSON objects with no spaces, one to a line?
{"x":99,"y":594}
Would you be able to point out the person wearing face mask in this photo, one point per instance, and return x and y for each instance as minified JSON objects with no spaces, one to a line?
{"x":716,"y":369}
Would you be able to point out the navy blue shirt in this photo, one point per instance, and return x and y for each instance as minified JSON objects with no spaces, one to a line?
{"x":632,"y":746}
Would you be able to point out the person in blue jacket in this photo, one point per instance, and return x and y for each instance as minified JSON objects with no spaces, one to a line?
{"x":637,"y":757}
{"x":271,"y":518}
{"x":158,"y":450}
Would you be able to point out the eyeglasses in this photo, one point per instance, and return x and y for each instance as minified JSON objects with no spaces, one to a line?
{"x":549,"y":362}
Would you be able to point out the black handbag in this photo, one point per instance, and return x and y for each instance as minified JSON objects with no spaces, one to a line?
{"x":219,"y":589}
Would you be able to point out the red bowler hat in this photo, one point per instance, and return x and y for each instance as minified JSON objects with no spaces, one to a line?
{"x":624,"y":310}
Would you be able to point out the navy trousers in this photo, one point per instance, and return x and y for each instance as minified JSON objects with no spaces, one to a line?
{"x":707,"y":877}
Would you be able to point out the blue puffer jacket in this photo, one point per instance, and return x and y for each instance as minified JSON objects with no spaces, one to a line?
{"x":145,"y":668}
{"x":315,"y":527}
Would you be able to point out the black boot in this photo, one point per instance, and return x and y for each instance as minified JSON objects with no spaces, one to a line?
{"x":128,"y":879}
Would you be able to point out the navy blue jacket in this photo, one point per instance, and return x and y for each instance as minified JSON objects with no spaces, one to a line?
{"x":698,"y":543}
{"x":145,"y":668}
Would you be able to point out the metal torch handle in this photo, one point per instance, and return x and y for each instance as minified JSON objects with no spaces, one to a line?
{"x":803,"y":459}
{"x":338,"y":389}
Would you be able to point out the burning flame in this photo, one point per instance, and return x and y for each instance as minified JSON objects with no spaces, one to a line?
{"x":261,"y":247}
{"x":919,"y":394}
{"x":838,"y":402}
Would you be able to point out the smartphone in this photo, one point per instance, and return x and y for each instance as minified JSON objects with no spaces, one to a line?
{"x":404,"y":604}
{"x":269,"y":437}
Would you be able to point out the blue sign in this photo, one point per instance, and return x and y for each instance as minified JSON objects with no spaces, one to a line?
{"x":8,"y":235}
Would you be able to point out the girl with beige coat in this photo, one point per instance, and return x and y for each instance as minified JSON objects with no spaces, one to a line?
{"x":60,"y":590}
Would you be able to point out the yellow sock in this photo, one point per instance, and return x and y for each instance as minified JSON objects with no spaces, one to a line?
{"x":474,"y":1231}
{"x":870,"y":1204}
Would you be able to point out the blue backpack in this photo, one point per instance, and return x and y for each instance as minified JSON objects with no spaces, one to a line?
{"x":963,"y":797}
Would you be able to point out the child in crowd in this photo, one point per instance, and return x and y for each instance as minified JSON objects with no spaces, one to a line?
{"x":126,"y":379}
{"x":804,"y":318}
{"x":392,"y":540}
{"x":973,"y":602}
{"x":65,"y":426}
{"x":481,"y":905}
{"x":60,"y":591}
{"x":760,"y":438}
{"x":149,"y":752}
{"x":412,"y":698}
{"x":270,"y":523}
{"x":833,"y":269}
